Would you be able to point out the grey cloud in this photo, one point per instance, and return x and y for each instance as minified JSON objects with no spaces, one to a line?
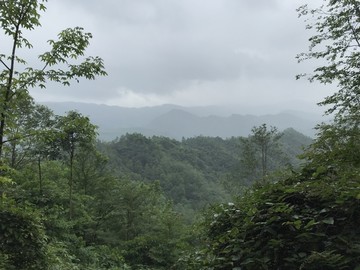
{"x":163,"y":46}
{"x":156,"y":58}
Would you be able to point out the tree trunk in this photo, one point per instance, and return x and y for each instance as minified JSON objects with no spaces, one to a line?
{"x":71,"y":184}
{"x":40,"y":177}
{"x":7,"y":95}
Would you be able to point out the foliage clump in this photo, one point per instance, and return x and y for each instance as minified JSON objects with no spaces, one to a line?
{"x":23,"y":242}
{"x":309,"y":221}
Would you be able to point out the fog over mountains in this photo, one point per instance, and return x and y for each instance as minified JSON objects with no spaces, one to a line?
{"x":177,"y":122}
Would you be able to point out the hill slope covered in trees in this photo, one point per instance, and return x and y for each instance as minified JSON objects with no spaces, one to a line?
{"x":197,"y":171}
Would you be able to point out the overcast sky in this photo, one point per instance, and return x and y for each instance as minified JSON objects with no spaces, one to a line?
{"x":186,"y":52}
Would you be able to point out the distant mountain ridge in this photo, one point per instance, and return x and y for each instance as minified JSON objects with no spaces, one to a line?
{"x":177,"y":122}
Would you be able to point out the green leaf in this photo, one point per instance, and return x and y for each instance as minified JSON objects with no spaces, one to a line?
{"x":297,"y":224}
{"x":310,"y":224}
{"x":329,"y":221}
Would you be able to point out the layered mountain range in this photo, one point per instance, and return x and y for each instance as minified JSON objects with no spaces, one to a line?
{"x":183,"y":122}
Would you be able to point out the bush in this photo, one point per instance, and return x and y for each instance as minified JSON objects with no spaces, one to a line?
{"x":22,"y":238}
{"x":309,"y":221}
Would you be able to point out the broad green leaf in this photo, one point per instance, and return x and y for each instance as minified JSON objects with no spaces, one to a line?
{"x":329,"y":221}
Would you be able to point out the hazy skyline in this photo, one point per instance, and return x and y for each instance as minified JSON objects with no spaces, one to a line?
{"x":186,"y":52}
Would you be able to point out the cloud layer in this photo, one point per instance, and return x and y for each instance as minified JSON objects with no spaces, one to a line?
{"x":186,"y":52}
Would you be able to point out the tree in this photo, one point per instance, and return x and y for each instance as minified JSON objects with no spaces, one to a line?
{"x":138,"y":218}
{"x":29,"y":125}
{"x":16,"y":18}
{"x":74,"y":132}
{"x":89,"y":168}
{"x":23,"y":243}
{"x":22,"y":238}
{"x":249,"y":162}
{"x":261,"y":142}
{"x":336,"y":44}
{"x":265,"y":140}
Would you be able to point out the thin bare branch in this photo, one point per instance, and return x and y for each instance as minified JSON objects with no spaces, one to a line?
{"x":7,"y":67}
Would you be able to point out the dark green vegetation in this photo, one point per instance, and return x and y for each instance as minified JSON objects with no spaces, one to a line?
{"x":199,"y":171}
{"x":70,"y":202}
{"x":308,"y":221}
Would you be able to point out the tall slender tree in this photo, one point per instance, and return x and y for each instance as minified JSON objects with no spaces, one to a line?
{"x":265,"y":140}
{"x":75,"y":131}
{"x":18,"y":17}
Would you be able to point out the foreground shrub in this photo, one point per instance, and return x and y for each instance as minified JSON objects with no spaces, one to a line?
{"x":22,"y":239}
{"x":310,"y":221}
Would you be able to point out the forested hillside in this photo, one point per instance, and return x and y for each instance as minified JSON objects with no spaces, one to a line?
{"x":198,"y":171}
